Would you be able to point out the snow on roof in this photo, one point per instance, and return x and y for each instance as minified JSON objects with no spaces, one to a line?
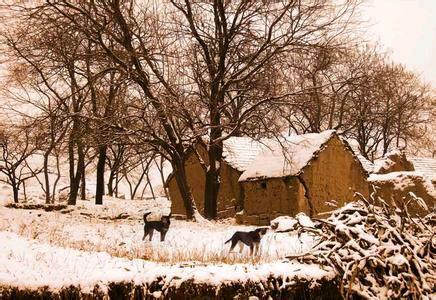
{"x":366,"y":164}
{"x":404,"y":179}
{"x":239,"y":152}
{"x":425,"y":165}
{"x":389,"y":160}
{"x":286,"y":158}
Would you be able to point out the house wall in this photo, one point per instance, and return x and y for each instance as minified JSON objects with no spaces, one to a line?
{"x":394,"y":162}
{"x":229,"y":197}
{"x":334,"y":175}
{"x":395,"y":189}
{"x":268,"y":199}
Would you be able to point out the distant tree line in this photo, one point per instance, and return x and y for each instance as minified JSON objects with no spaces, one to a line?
{"x":123,"y":84}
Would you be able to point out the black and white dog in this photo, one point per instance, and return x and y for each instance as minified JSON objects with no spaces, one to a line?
{"x":161,"y":226}
{"x":250,"y":238}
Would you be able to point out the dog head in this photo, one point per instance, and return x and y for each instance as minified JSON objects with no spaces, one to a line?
{"x":166,"y":219}
{"x":261,"y":231}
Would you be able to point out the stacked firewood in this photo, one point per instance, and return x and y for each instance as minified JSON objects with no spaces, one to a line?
{"x":379,"y":252}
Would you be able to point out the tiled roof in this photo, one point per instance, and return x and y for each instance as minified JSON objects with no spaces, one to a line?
{"x":427,"y":166}
{"x":287,"y":158}
{"x":366,"y":164}
{"x":239,"y":152}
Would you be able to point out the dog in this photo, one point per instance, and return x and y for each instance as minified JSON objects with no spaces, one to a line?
{"x":250,"y":238}
{"x":161,"y":226}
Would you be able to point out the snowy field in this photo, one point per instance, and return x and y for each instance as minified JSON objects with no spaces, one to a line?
{"x":96,"y":228}
{"x":32,"y":265}
{"x":88,"y":246}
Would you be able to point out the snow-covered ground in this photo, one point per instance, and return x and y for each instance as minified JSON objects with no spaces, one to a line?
{"x":91,"y":245}
{"x":31,"y":265}
{"x":93,"y":228}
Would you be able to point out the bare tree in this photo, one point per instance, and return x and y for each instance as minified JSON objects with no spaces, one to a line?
{"x":123,"y":22}
{"x":16,"y":147}
{"x":138,"y":169}
{"x":53,"y":52}
{"x":231,"y":45}
{"x":360,"y":93}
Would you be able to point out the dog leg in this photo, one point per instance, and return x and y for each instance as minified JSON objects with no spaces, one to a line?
{"x":162,"y":235}
{"x":151,"y":234}
{"x":256,"y":249}
{"x":232,"y":246}
{"x":145,"y":233}
{"x":251,"y":249}
{"x":241,"y":247}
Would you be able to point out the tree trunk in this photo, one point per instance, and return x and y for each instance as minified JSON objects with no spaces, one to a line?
{"x":46,"y":179}
{"x":58,"y":177}
{"x":99,"y":192}
{"x":82,"y":179}
{"x":110,"y":184}
{"x":15,"y":191}
{"x":212,"y":184}
{"x":160,"y":167}
{"x":151,"y":186}
{"x":215,"y":151}
{"x":185,"y":192}
{"x":24,"y":191}
{"x":73,"y":191}
{"x":77,"y":177}
{"x":116,"y":185}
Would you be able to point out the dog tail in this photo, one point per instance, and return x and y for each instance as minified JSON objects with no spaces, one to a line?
{"x":146,"y":215}
{"x":228,"y":240}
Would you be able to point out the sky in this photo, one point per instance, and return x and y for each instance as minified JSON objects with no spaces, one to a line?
{"x":408,"y":29}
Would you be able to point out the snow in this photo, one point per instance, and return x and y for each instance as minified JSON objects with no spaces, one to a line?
{"x":239,"y":152}
{"x":88,"y":245}
{"x":27,"y":264}
{"x":284,"y":223}
{"x":288,"y":157}
{"x":403,"y":180}
{"x":425,"y":165}
{"x":388,"y":161}
{"x":367,"y":165}
{"x":95,"y":228}
{"x":287,"y":223}
{"x":304,"y":220}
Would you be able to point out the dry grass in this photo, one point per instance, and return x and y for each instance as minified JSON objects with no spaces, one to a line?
{"x":99,"y":238}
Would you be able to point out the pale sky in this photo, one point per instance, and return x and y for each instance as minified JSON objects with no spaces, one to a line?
{"x":408,"y":29}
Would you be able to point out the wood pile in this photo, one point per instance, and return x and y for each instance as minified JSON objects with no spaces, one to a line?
{"x":379,"y":252}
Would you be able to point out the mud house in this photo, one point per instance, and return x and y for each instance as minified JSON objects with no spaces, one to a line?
{"x":394,"y":161}
{"x":398,"y":179}
{"x":262,"y":180}
{"x":238,"y":153}
{"x":305,"y":173}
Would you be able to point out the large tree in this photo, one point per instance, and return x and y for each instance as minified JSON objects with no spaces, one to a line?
{"x":232,"y":47}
